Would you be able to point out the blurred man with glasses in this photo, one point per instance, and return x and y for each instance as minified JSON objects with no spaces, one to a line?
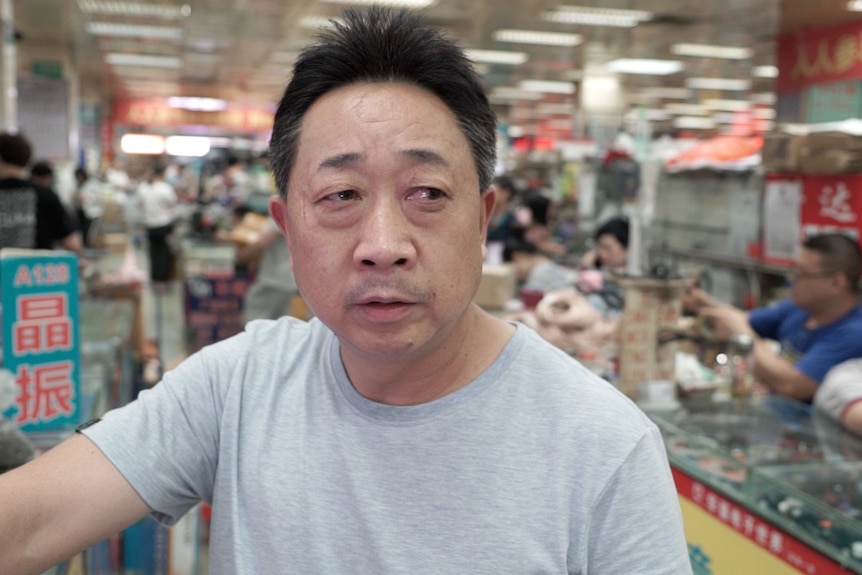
{"x":817,"y":327}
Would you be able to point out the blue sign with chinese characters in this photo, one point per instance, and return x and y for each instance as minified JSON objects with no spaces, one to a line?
{"x":40,"y":330}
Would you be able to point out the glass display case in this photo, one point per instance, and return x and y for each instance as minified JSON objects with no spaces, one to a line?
{"x":772,"y":469}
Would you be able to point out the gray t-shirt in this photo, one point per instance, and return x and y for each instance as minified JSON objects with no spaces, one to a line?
{"x":536,"y":466}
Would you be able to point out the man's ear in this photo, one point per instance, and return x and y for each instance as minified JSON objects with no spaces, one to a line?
{"x":489,"y":199}
{"x":278,"y":212}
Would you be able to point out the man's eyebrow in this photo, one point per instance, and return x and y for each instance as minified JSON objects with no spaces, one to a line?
{"x":339,"y":161}
{"x":424,"y":156}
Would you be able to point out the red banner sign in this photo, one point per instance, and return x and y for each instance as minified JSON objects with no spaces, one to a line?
{"x":156,"y":113}
{"x":819,"y":56}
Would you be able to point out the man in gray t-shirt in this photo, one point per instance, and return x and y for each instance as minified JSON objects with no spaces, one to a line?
{"x":404,"y":430}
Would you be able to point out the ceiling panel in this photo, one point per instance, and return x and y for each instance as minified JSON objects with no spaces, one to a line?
{"x":241,"y":50}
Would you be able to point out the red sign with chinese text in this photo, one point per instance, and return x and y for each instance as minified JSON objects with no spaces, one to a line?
{"x":158,"y":113}
{"x":832,"y":204}
{"x":819,"y":56}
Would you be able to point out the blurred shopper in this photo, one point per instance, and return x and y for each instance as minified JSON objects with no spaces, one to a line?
{"x":42,"y":173}
{"x":539,"y":230}
{"x":817,"y":328}
{"x":840,"y":395}
{"x":31,"y":215}
{"x":534,"y":269}
{"x":612,"y":247}
{"x":89,"y":203}
{"x":272,"y":291}
{"x":504,"y":222}
{"x":158,"y":201}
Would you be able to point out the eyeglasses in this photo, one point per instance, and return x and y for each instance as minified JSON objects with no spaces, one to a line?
{"x":800,"y":275}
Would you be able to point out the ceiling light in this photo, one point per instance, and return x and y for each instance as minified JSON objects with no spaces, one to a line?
{"x":693,"y":123}
{"x":717,"y":84}
{"x":143,"y":9}
{"x":118,"y":59}
{"x":854,"y":5}
{"x":688,"y":109}
{"x":510,"y":93}
{"x":198,"y":104}
{"x":669,"y":93}
{"x":644,"y":66}
{"x":763,"y":113}
{"x":547,"y":87}
{"x":728,"y":105}
{"x":142,"y":144}
{"x":496,"y":56}
{"x":597,"y":16}
{"x":711,"y":51}
{"x":414,"y":4}
{"x":765,"y":71}
{"x":134,"y":30}
{"x":766,"y":98}
{"x":189,"y":146}
{"x":552,"y":108}
{"x":537,"y":37}
{"x":650,"y":114}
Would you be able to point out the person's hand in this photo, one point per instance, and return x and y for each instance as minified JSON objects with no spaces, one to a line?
{"x":587,"y":261}
{"x":727,"y":320}
{"x":694,"y":299}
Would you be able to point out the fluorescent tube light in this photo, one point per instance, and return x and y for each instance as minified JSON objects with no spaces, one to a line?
{"x":766,"y":98}
{"x":119,"y":59}
{"x":711,"y":51}
{"x":668,"y":93}
{"x":142,"y":144}
{"x":693,"y":123}
{"x":413,"y":4}
{"x":688,"y":109}
{"x":142,"y":9}
{"x":134,"y":30}
{"x":537,"y":37}
{"x":765,"y":71}
{"x":717,"y":84}
{"x":645,"y":66}
{"x":547,"y":87}
{"x":198,"y":104}
{"x":854,"y":5}
{"x":589,"y":16}
{"x":727,"y":105}
{"x":191,"y":146}
{"x":511,"y":93}
{"x":496,"y":56}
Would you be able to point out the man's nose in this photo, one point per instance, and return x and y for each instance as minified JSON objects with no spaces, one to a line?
{"x":386,"y":237}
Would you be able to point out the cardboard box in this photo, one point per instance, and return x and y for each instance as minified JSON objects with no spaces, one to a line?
{"x":497,"y":286}
{"x":115,"y":243}
{"x":781,"y":151}
{"x":830,"y":162}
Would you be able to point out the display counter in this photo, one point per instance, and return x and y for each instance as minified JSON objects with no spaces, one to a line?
{"x":766,"y":486}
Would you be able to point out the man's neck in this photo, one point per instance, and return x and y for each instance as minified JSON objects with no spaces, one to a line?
{"x":10,"y":171}
{"x":833,"y":312}
{"x":413,"y":381}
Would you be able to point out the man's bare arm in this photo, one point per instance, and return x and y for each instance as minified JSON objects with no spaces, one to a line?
{"x":61,"y":503}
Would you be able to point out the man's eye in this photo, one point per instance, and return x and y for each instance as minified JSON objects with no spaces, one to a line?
{"x":344,"y":195}
{"x":427,"y":194}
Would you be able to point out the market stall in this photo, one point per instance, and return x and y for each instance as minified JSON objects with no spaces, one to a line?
{"x":766,"y":486}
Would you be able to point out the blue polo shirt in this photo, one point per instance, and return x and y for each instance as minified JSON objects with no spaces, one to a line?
{"x":812,"y":351}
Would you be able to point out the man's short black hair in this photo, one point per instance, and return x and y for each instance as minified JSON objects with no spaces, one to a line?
{"x":616,"y":227}
{"x":42,"y":169}
{"x":379,"y":44}
{"x":15,"y":149}
{"x":838,"y":253}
